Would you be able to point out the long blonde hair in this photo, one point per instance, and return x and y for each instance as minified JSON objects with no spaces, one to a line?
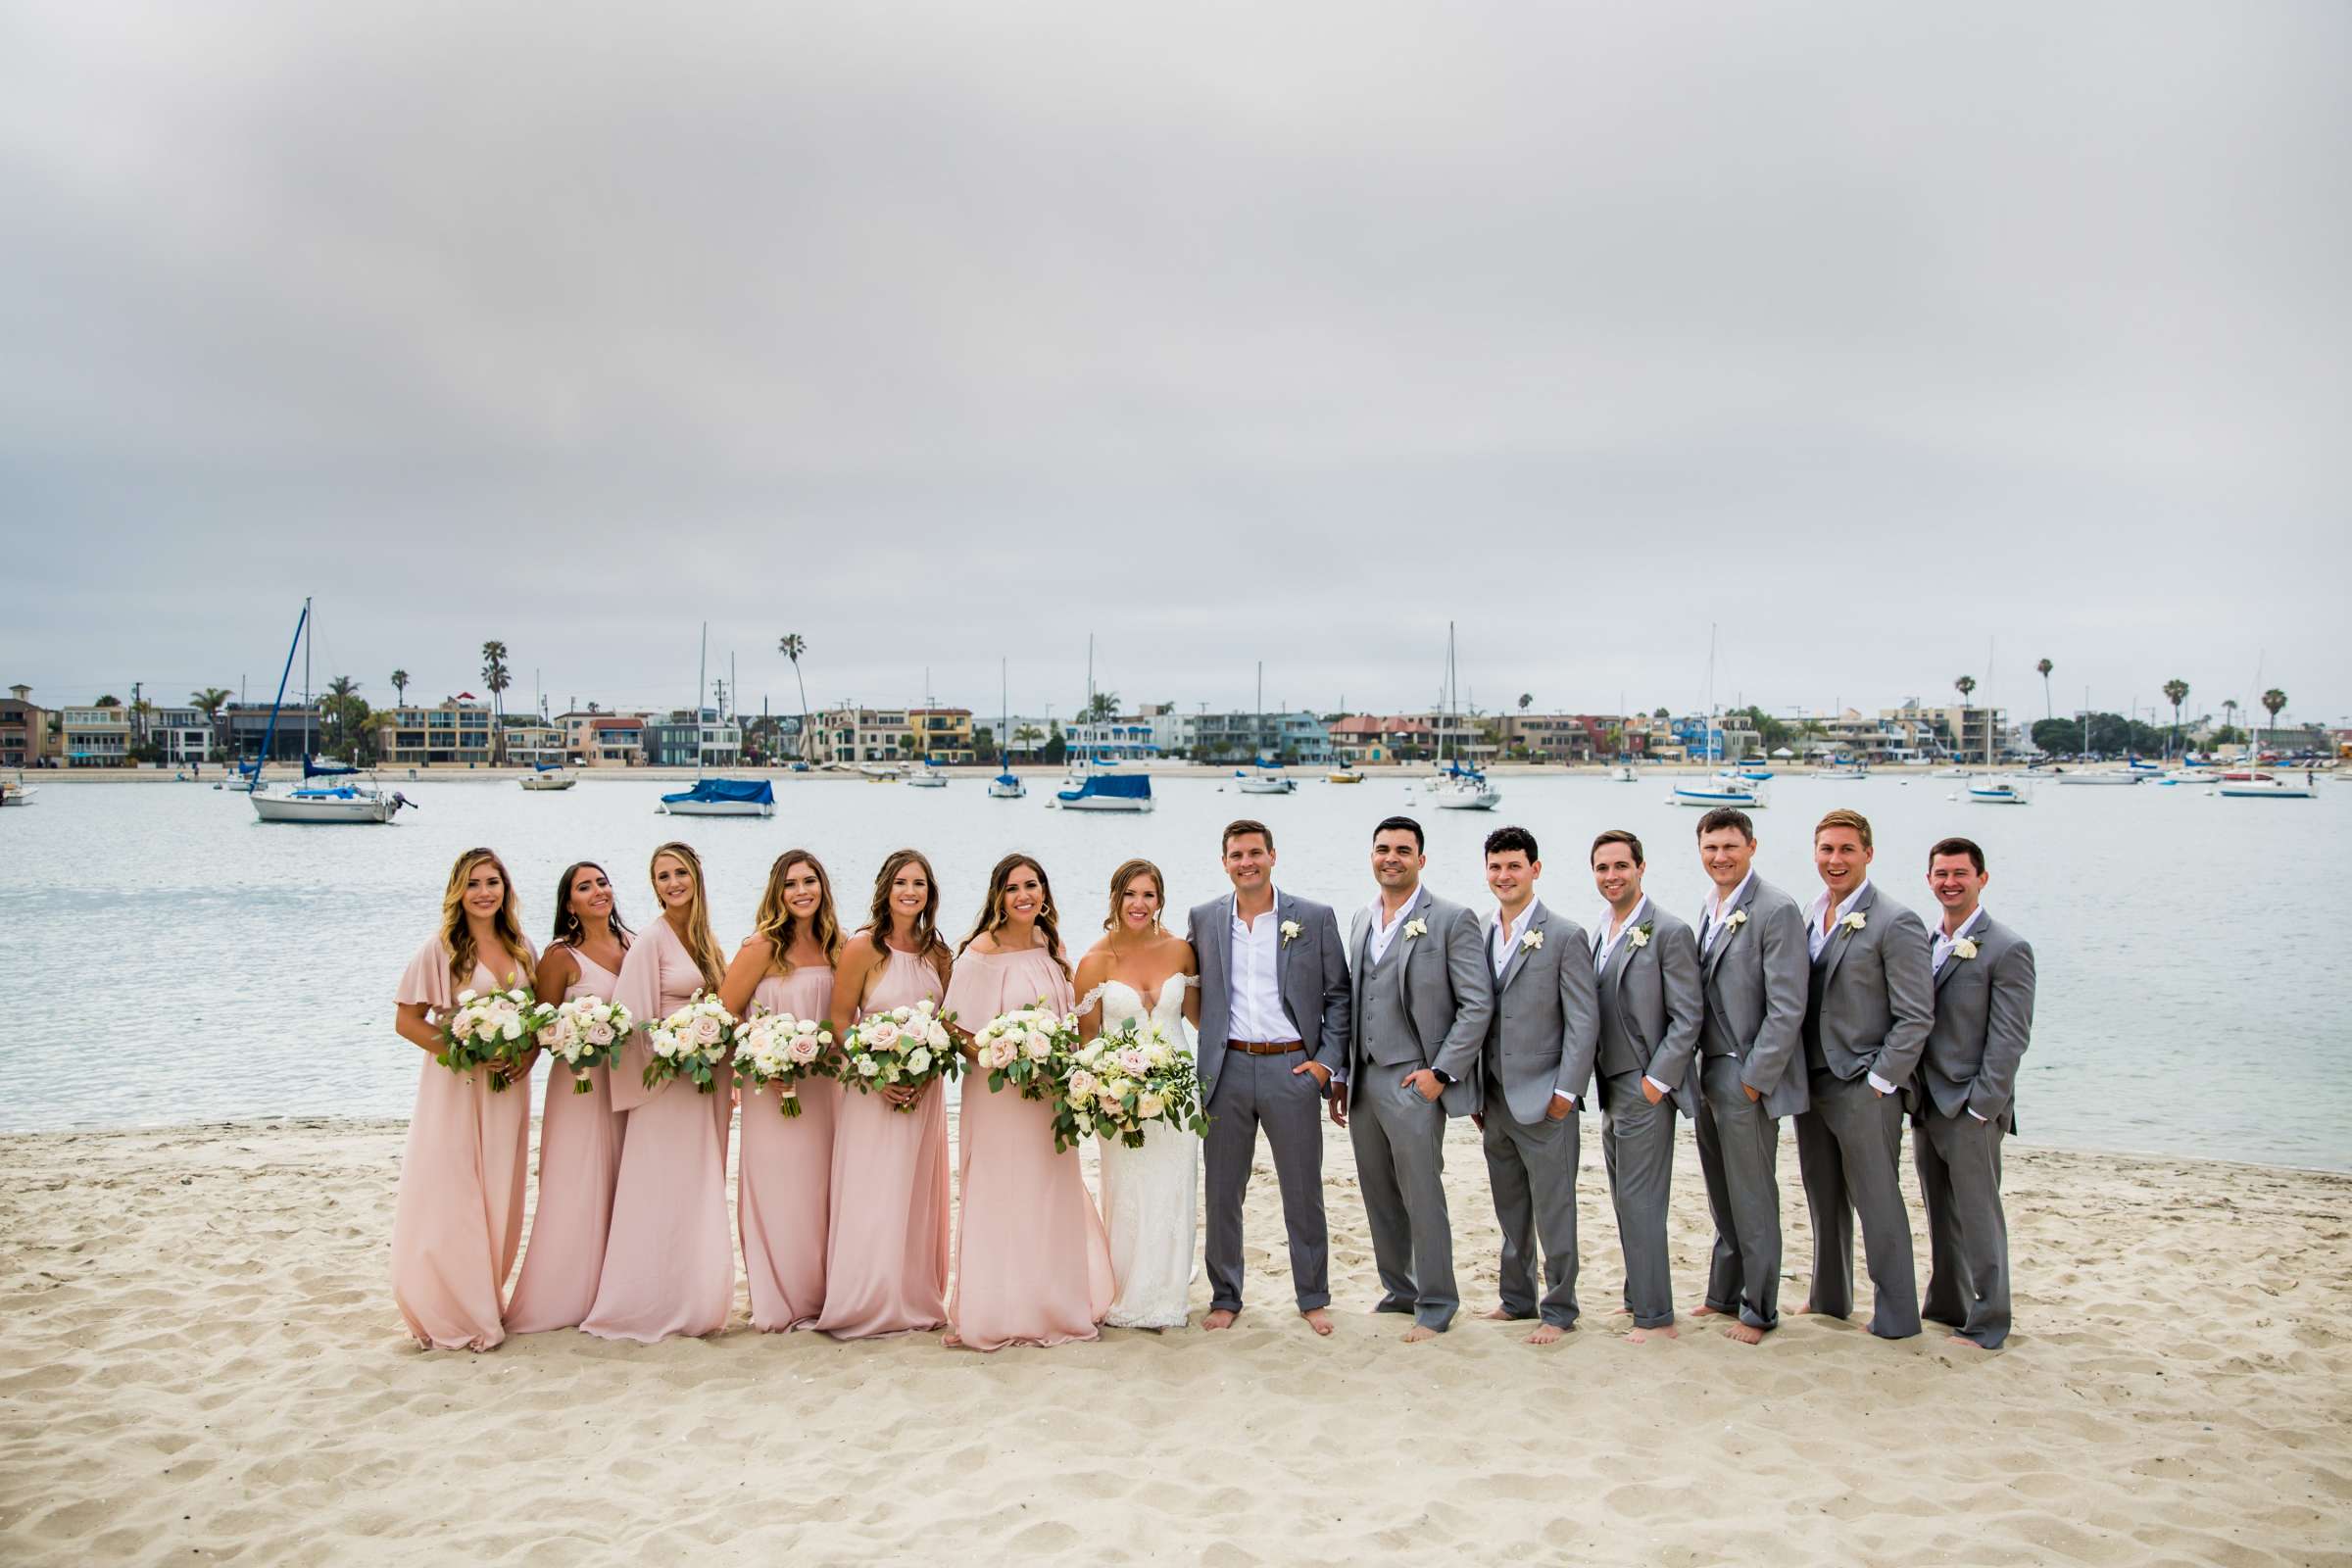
{"x":456,"y":932}
{"x":701,"y":946}
{"x":776,"y":921}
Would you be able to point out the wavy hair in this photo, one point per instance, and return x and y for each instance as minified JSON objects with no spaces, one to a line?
{"x":457,"y":932}
{"x":568,"y":931}
{"x":993,"y":916}
{"x":931,"y":947}
{"x":701,"y":946}
{"x":776,"y":921}
{"x":1127,"y":872}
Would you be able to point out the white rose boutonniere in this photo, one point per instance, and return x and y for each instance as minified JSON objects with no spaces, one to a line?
{"x":1738,"y":918}
{"x":1965,"y":948}
{"x":1415,"y":928}
{"x":1290,"y":932}
{"x":1855,"y":921}
{"x":1639,"y":936}
{"x":1531,"y":942}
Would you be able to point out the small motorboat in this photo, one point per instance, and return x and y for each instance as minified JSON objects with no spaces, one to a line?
{"x":1719,"y":790}
{"x":1999,"y":792}
{"x":2260,"y":787}
{"x":1269,"y":779}
{"x":549,"y":776}
{"x":928,"y":777}
{"x":723,"y":797}
{"x":1108,"y":792}
{"x":1344,"y":775}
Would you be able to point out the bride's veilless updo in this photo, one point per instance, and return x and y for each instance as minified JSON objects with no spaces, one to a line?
{"x":1127,"y":872}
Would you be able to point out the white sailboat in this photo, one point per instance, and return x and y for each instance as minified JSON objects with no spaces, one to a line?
{"x":716,"y":797}
{"x":1727,"y":786}
{"x":1269,"y":777}
{"x":1462,"y":789}
{"x":349,"y":799}
{"x":1006,"y":785}
{"x":549,"y":776}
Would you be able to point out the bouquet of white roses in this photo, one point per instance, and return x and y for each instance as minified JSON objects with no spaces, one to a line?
{"x":1123,"y":1080}
{"x":491,"y":1027}
{"x":690,"y":1043}
{"x":1028,"y":1049}
{"x":901,"y":1048}
{"x":775,"y":1048}
{"x":585,"y":1032}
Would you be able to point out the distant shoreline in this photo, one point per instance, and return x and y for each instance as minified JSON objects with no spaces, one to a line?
{"x":1306,"y":772}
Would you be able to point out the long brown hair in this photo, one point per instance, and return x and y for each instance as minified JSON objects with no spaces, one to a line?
{"x":1127,"y":872}
{"x":701,"y":946}
{"x":457,"y":932}
{"x":993,"y":915}
{"x":776,"y":921}
{"x":931,"y":948}
{"x":570,"y":931}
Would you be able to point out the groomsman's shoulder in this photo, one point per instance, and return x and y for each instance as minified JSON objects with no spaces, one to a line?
{"x":1895,"y":913}
{"x":1566,"y":927}
{"x":1771,"y":896}
{"x":1670,"y":924}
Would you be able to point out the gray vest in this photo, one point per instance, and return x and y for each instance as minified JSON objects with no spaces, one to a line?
{"x":1618,"y":1052}
{"x":1388,"y":1031}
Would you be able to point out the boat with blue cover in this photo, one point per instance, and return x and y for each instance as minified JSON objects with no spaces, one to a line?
{"x":723,"y":797}
{"x":1108,"y":792}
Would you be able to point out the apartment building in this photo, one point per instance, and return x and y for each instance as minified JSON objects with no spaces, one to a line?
{"x":942,"y":734}
{"x":95,"y":737}
{"x":451,"y":733}
{"x":24,"y":729}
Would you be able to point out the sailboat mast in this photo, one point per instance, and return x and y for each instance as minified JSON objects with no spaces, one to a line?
{"x":309,"y":714}
{"x":702,"y":684}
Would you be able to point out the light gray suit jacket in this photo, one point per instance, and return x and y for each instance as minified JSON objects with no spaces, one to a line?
{"x":1753,"y":981}
{"x":1983,"y":1019}
{"x":1655,"y":990}
{"x":1877,"y":999}
{"x":1449,"y":994}
{"x":1546,"y":1020}
{"x":1312,"y":976}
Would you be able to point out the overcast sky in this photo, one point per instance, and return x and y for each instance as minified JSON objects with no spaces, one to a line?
{"x":1901,"y":341}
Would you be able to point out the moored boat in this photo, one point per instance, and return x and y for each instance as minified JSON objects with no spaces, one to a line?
{"x":723,"y":797}
{"x":1108,"y":792}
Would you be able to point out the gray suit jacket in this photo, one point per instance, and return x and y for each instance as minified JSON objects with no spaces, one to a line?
{"x":1312,"y":977}
{"x":1655,"y":988}
{"x":1545,"y":1024}
{"x":1983,"y":1019}
{"x":1753,"y":981}
{"x":1877,"y":1000}
{"x":1449,"y":994}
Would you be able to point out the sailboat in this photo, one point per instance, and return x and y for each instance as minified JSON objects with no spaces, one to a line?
{"x":1088,"y":788}
{"x":345,"y":800}
{"x":1727,"y":786}
{"x":1269,"y":779}
{"x":716,"y":796}
{"x":549,"y":776}
{"x":1462,"y":789}
{"x":1006,"y":785}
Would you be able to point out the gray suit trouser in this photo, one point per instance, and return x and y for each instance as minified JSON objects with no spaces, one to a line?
{"x":1637,"y":1145}
{"x":1253,"y":1092}
{"x":1959,"y":1161}
{"x":1739,"y":1152}
{"x":1399,"y":1142}
{"x":1533,"y":1171}
{"x":1850,"y":1147}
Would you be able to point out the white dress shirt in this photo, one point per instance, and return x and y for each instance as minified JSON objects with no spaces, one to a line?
{"x":1605,"y":943}
{"x":1718,"y":909}
{"x":1817,"y":940}
{"x":1385,"y":927}
{"x":1253,"y":988}
{"x":1503,"y":940}
{"x":1942,"y":951}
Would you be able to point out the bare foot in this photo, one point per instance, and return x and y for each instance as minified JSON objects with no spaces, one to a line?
{"x":1644,"y":1336}
{"x":952,"y":1340}
{"x":1499,"y":1314}
{"x":1318,"y":1320}
{"x":1419,"y":1332}
{"x":1744,"y":1333}
{"x":1962,"y":1338}
{"x":1702,"y":1310}
{"x":1221,"y":1319}
{"x":1546,"y":1333}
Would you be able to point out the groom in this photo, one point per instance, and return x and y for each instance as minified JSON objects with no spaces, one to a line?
{"x":1273,"y":1030}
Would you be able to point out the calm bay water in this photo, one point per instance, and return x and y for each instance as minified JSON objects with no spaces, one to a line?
{"x":167,"y":958}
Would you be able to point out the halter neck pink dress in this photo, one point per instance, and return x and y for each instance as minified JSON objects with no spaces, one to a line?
{"x":579,"y":1163}
{"x":458,"y":1221}
{"x":1032,"y":1262}
{"x":784,"y":1180}
{"x":886,"y":1237}
{"x":670,"y":1261}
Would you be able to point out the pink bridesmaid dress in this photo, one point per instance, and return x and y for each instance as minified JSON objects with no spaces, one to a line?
{"x":784,"y":1182}
{"x":458,"y":1222}
{"x":580,"y":1162}
{"x":1032,"y":1260}
{"x":670,"y":1261}
{"x":886,"y":1234}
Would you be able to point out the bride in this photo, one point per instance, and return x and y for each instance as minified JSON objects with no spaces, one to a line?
{"x":1150,"y":1194}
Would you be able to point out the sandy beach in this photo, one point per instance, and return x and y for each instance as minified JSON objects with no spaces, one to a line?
{"x":200,"y":1361}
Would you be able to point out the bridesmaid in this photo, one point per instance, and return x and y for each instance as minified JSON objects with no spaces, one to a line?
{"x":886,"y":1236}
{"x":785,"y":1178}
{"x":1032,"y":1262}
{"x":579,"y":1135}
{"x":670,"y":1264}
{"x":458,"y":1218}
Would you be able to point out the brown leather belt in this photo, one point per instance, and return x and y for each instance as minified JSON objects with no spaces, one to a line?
{"x":1265,"y":1048}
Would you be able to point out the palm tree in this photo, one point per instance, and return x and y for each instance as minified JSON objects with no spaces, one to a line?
{"x":2274,"y":700}
{"x":1526,"y":700}
{"x":400,"y":685}
{"x":342,"y":696}
{"x":792,"y":645}
{"x":495,"y":676}
{"x":2175,"y":691}
{"x":1101,"y":706}
{"x":2045,"y":666}
{"x":2230,"y":712}
{"x":209,"y":702}
{"x":1028,"y":737}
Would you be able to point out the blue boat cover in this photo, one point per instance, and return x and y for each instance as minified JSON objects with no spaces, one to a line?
{"x":312,"y":768}
{"x":1123,"y":786}
{"x":728,"y":789}
{"x":548,"y":767}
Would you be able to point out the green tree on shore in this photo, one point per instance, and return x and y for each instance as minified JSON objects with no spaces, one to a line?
{"x":2045,"y":668}
{"x":2274,"y":700}
{"x":399,"y":686}
{"x":497,"y":679}
{"x":209,"y":702}
{"x":792,"y":645}
{"x":2175,"y":691}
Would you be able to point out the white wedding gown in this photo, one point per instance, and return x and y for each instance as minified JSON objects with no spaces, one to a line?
{"x":1151,"y":1196}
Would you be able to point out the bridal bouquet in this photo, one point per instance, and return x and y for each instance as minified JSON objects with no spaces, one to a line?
{"x":775,"y":1048}
{"x":1125,"y":1079}
{"x":1028,"y":1048}
{"x":901,"y":1048}
{"x":490,"y":1028}
{"x":690,"y":1043}
{"x":585,"y":1032}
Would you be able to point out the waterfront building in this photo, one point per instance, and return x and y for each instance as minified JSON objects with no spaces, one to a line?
{"x":1241,"y":738}
{"x":1131,"y":739}
{"x":530,"y":741}
{"x":96,"y":737}
{"x":1556,"y":737}
{"x":451,"y":733}
{"x":852,"y":735}
{"x":24,"y":729}
{"x":182,"y":736}
{"x":942,"y":734}
{"x":709,"y":739}
{"x":296,"y":737}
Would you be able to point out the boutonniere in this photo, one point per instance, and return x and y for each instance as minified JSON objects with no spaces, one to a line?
{"x":1738,"y":918}
{"x":1531,"y":942}
{"x":1290,"y":932}
{"x":1639,"y":936}
{"x":1855,"y":921}
{"x":1415,"y":928}
{"x":1965,"y":948}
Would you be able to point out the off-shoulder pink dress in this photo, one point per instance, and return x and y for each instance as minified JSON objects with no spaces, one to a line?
{"x":886,"y":1237}
{"x":669,"y":1262}
{"x":1032,"y":1262}
{"x":580,"y":1162}
{"x":458,"y":1221}
{"x":784,"y":1180}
